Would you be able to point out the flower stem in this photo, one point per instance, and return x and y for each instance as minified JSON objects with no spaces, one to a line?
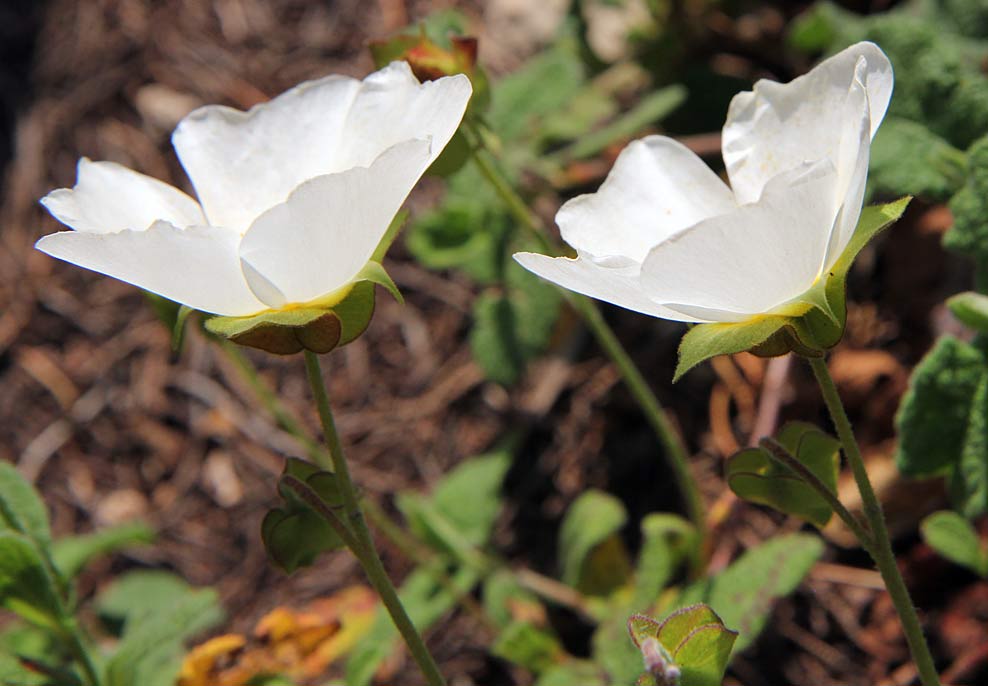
{"x":367,"y":553}
{"x":664,"y":429}
{"x":881,"y":550}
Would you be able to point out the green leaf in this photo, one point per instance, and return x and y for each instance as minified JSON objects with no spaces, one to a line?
{"x":21,"y":508}
{"x":138,"y":593}
{"x":470,"y":495}
{"x":27,"y":587}
{"x":297,"y":539}
{"x":296,"y":534}
{"x":969,"y":207}
{"x":969,"y":483}
{"x":652,"y":108}
{"x":754,"y":475}
{"x":573,"y":673}
{"x":935,"y":415}
{"x":909,"y":159}
{"x":512,"y":328}
{"x":692,"y":641}
{"x":667,"y":541}
{"x":72,"y":553}
{"x":528,"y":646}
{"x":503,"y":596}
{"x":744,"y":593}
{"x":593,"y":556}
{"x":703,"y":655}
{"x":956,"y":539}
{"x":543,"y":85}
{"x":159,"y":613}
{"x":971,"y":308}
{"x":465,"y":233}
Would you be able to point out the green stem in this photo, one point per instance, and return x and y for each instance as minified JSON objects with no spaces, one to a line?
{"x":80,"y":653}
{"x":640,"y":390}
{"x":882,"y":549}
{"x":367,"y":555}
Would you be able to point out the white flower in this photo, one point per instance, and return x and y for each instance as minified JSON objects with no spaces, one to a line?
{"x":666,"y":237}
{"x":294,"y":195}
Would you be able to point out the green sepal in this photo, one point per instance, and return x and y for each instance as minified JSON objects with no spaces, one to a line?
{"x":295,"y":535}
{"x":282,"y":332}
{"x":755,"y":476}
{"x":971,"y":308}
{"x":808,"y":325}
{"x":318,"y":329}
{"x":374,"y":272}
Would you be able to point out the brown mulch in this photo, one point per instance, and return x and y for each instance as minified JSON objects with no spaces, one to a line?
{"x":113,"y":426}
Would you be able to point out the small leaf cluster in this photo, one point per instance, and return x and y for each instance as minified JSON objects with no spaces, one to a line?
{"x":149,"y":613}
{"x":596,"y":563}
{"x":690,"y":647}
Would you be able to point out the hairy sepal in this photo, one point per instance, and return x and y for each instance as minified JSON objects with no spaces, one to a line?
{"x":317,"y":328}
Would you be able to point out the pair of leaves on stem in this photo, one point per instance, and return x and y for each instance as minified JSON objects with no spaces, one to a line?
{"x":691,"y":647}
{"x":756,"y":475}
{"x":809,"y":325}
{"x":296,"y":534}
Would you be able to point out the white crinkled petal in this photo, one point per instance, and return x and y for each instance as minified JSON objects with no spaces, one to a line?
{"x":753,"y":260}
{"x":197,"y":266}
{"x":657,"y":188}
{"x":583,"y":275}
{"x":109,"y":197}
{"x":325,"y":233}
{"x":244,"y":163}
{"x":778,"y":127}
{"x":855,"y":155}
{"x":393,"y":106}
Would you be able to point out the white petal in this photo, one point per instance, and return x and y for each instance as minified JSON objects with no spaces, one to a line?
{"x":855,"y":154}
{"x":657,"y":188}
{"x":197,"y":266}
{"x":586,"y":277}
{"x":109,"y":197}
{"x":327,"y":230}
{"x":755,"y":259}
{"x":393,"y":106}
{"x":781,"y":126}
{"x":242,"y":164}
